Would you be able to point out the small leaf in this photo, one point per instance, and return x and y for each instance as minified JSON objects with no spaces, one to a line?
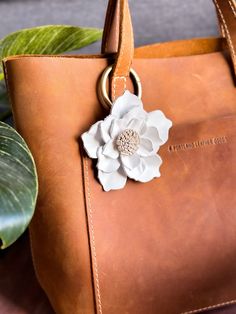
{"x":49,"y":39}
{"x":18,"y":185}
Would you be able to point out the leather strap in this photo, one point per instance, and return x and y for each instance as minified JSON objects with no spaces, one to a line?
{"x":111,"y":28}
{"x":118,"y":38}
{"x":226,"y":11}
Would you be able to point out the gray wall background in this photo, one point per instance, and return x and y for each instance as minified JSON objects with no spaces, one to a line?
{"x":154,"y":20}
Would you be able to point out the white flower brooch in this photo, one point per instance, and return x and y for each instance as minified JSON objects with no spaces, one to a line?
{"x":126,"y":143}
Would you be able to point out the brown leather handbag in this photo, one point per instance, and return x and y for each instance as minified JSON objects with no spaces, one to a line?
{"x":167,"y":246}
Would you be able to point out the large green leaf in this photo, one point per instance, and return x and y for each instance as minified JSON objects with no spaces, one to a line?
{"x":49,"y":39}
{"x":18,"y":185}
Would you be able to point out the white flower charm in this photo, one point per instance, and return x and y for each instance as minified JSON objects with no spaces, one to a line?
{"x":126,"y":143}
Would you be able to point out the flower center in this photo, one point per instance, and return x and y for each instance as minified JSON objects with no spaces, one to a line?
{"x":128,"y":142}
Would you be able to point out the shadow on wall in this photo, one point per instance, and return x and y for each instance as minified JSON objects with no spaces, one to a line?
{"x":154,"y":20}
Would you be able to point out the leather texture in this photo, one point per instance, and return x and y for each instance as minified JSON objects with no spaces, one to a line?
{"x":118,"y":38}
{"x":166,"y":247}
{"x":226,"y":11}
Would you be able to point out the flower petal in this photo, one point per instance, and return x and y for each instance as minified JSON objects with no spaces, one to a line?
{"x":105,"y":128}
{"x":151,"y":169}
{"x":107,"y":164}
{"x":110,"y":150}
{"x":145,"y":147}
{"x":135,"y":173}
{"x":152,"y":134}
{"x":117,"y":127}
{"x":130,"y":162}
{"x":112,"y":181}
{"x":136,"y":112}
{"x":136,"y":125}
{"x":124,"y":104}
{"x":158,"y":120}
{"x":92,"y":140}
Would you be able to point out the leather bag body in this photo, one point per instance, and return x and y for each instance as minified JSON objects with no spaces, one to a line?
{"x":163,"y":247}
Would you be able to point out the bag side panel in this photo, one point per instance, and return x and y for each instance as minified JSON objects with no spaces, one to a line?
{"x":54,"y":101}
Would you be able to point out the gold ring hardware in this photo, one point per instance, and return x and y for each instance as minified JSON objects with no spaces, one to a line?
{"x":102,"y":86}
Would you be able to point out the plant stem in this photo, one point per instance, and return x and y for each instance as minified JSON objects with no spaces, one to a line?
{"x":5,"y":115}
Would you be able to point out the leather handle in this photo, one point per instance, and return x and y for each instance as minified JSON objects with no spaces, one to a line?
{"x":226,"y":12}
{"x":118,"y":38}
{"x":111,"y":28}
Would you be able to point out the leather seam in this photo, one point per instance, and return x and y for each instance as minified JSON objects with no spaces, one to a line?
{"x":123,"y":80}
{"x":232,"y":7}
{"x":211,"y":307}
{"x":93,"y":241}
{"x":227,"y":33}
{"x":118,"y":60}
{"x":132,"y":44}
{"x":123,"y":77}
{"x":101,"y":56}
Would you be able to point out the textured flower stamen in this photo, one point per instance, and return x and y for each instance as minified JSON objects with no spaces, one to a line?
{"x":128,"y":142}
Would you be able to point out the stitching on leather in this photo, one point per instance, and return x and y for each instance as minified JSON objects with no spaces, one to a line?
{"x":132,"y":44}
{"x":123,"y":80}
{"x":212,"y":307}
{"x":90,"y":214}
{"x":122,"y":46}
{"x":232,"y":7}
{"x":118,"y":63}
{"x":227,"y":33}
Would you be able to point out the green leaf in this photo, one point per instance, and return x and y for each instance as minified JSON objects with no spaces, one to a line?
{"x":18,"y":185}
{"x":49,"y":39}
